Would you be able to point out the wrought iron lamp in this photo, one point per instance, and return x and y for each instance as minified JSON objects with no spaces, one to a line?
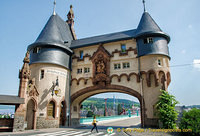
{"x":55,"y":89}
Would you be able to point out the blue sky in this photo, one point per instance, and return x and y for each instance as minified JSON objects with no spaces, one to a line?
{"x":22,"y":21}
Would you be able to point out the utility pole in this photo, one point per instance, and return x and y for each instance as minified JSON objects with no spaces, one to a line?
{"x":105,"y":106}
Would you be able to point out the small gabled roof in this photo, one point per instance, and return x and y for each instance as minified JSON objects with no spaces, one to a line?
{"x":55,"y":33}
{"x":148,"y":27}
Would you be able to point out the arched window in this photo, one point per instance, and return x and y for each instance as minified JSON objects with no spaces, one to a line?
{"x":51,"y":109}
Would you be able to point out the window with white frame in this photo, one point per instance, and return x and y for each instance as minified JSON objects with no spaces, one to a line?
{"x":117,"y":66}
{"x":36,"y":49}
{"x":148,"y":40}
{"x":79,"y":70}
{"x":86,"y":70}
{"x":126,"y":65}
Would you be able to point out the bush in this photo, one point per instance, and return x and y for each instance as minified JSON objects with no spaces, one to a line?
{"x":191,"y":120}
{"x":90,"y":114}
{"x":166,"y":110}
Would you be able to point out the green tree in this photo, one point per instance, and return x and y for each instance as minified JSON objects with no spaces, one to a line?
{"x":166,"y":110}
{"x":90,"y":114}
{"x":191,"y":120}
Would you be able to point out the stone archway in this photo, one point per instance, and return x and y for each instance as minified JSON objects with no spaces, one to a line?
{"x":30,"y":114}
{"x":81,"y":95}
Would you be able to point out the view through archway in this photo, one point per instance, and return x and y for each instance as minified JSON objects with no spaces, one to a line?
{"x":117,"y":110}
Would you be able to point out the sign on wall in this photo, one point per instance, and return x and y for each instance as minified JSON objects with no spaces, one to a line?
{"x":57,"y":72}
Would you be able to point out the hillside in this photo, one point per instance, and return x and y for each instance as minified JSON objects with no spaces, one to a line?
{"x":100,"y":103}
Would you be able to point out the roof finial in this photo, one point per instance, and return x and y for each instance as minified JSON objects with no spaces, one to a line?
{"x":144,"y":5}
{"x":54,"y":7}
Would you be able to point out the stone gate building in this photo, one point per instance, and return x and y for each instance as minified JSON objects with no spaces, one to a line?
{"x":61,"y":71}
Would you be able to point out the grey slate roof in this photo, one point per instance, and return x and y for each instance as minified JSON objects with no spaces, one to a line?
{"x":148,"y":27}
{"x":55,"y":33}
{"x":103,"y":39}
{"x":11,"y":100}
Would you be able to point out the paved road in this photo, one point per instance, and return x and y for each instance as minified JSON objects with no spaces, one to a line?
{"x":66,"y":132}
{"x":84,"y":130}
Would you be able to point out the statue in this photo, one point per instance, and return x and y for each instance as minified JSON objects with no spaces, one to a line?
{"x":70,"y":15}
{"x":100,"y":67}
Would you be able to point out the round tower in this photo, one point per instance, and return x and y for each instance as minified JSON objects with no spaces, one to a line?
{"x":153,"y":61}
{"x":50,"y":64}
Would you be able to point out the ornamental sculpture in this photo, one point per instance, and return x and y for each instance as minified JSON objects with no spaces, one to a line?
{"x":101,"y":66}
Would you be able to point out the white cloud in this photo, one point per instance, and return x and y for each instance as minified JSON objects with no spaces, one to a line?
{"x":196,"y":64}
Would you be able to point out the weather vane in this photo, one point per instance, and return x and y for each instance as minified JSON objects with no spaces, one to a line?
{"x":144,"y":5}
{"x":54,"y":7}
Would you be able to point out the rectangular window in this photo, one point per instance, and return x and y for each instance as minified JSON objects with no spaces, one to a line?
{"x":159,"y":62}
{"x":117,"y":66}
{"x":148,"y":40}
{"x":81,"y":54}
{"x":126,"y":65}
{"x":36,"y":50}
{"x":41,"y":74}
{"x":79,"y":70}
{"x":123,"y":48}
{"x":86,"y":70}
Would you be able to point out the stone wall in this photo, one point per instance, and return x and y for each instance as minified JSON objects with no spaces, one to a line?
{"x":75,"y":122}
{"x":151,"y":122}
{"x":44,"y":123}
{"x":18,"y":123}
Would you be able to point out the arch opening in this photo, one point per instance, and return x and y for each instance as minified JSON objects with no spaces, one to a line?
{"x":30,"y":114}
{"x":78,"y":98}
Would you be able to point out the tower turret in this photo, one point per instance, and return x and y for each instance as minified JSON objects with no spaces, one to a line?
{"x":153,"y":64}
{"x":52,"y":45}
{"x":150,"y":38}
{"x":50,"y":65}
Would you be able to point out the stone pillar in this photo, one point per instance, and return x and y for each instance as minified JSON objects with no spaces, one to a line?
{"x":20,"y":112}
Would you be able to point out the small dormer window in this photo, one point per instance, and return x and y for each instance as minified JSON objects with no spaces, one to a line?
{"x":123,"y":48}
{"x":36,"y":50}
{"x":148,"y":40}
{"x":81,"y":54}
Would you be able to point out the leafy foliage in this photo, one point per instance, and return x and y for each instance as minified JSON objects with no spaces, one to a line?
{"x":100,"y":103}
{"x":191,"y":120}
{"x":166,"y":110}
{"x":90,"y":114}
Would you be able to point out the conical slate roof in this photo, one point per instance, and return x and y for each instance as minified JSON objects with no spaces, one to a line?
{"x":148,"y":27}
{"x":55,"y":33}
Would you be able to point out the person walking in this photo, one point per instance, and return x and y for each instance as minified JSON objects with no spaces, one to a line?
{"x":94,"y":123}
